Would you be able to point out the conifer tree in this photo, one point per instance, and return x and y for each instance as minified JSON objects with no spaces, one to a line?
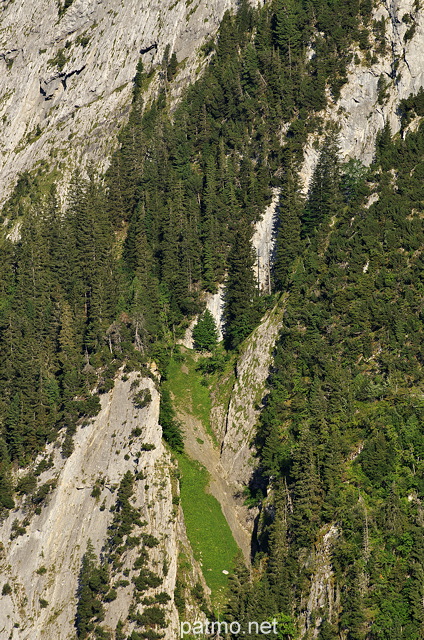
{"x":307,"y":490}
{"x":287,"y":29}
{"x":171,"y":427}
{"x":324,"y":197}
{"x":6,"y":500}
{"x":144,"y":296}
{"x":279,"y":563}
{"x":91,"y":584}
{"x":205,"y":334}
{"x":240,"y":310}
{"x":240,"y":588}
{"x":212,"y":254}
{"x":288,"y":233}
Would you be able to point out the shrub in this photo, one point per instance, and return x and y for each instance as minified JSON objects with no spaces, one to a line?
{"x":96,"y":492}
{"x":146,"y":580}
{"x":43,"y":492}
{"x":26,"y":484}
{"x":146,"y":446}
{"x":111,"y":595}
{"x":142,"y":398}
{"x":153,"y":616}
{"x":172,"y":432}
{"x":149,"y":540}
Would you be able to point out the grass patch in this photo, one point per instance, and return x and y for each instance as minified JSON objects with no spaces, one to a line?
{"x":207,"y":529}
{"x":190,"y":395}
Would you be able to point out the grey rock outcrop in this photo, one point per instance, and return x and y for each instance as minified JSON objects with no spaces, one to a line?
{"x":364,"y":107}
{"x":263,"y":241}
{"x":248,"y":392}
{"x":66,"y":80}
{"x":323,"y":595}
{"x":56,"y":539}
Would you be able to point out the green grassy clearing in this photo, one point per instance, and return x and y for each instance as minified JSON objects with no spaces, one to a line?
{"x":207,"y":529}
{"x":189,"y":394}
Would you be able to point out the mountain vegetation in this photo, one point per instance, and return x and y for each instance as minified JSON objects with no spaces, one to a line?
{"x":115,"y":278}
{"x":340,"y":439}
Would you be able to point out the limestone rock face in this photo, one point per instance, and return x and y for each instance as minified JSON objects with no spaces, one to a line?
{"x":363,"y":108}
{"x":263,"y":241}
{"x":249,"y":389}
{"x":66,"y":77}
{"x":323,"y":594}
{"x":56,"y":539}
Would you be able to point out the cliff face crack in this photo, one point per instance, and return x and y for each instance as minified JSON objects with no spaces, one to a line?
{"x":49,"y":88}
{"x":405,"y":59}
{"x":226,"y":423}
{"x":147,"y":49}
{"x":10,"y":55}
{"x":72,"y":73}
{"x":396,"y":41}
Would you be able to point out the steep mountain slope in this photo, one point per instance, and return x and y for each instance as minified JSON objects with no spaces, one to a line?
{"x":116,"y":281}
{"x":41,"y":560}
{"x":66,"y":74}
{"x":375,"y":87}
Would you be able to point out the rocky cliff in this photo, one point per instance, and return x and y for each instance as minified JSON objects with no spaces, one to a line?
{"x":65,"y":87}
{"x":66,"y":74}
{"x":42,"y":548}
{"x":372,"y":94}
{"x":247,"y":396}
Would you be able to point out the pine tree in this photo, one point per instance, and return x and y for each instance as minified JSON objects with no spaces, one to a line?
{"x":240,"y":311}
{"x":146,"y":311}
{"x":324,"y":196}
{"x":6,"y":500}
{"x":288,"y":234}
{"x":287,"y":29}
{"x":212,"y":253}
{"x":95,"y":285}
{"x":91,"y":584}
{"x":307,"y":491}
{"x":279,"y":563}
{"x":205,"y":334}
{"x":170,"y":426}
{"x":240,"y":590}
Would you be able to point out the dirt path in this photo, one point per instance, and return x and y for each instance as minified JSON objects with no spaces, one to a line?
{"x":199,"y":446}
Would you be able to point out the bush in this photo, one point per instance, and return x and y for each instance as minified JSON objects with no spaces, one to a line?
{"x":43,"y":492}
{"x":111,"y":595}
{"x":149,"y":540}
{"x":17,"y":530}
{"x":43,"y":466}
{"x":214,"y":363}
{"x":142,"y":398}
{"x":146,"y":446}
{"x":7,"y":589}
{"x":26,"y":484}
{"x":146,"y":580}
{"x":96,"y":492}
{"x":6,"y":501}
{"x":153,"y":616}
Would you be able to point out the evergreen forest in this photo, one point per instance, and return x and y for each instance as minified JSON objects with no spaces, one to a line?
{"x":114,"y":277}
